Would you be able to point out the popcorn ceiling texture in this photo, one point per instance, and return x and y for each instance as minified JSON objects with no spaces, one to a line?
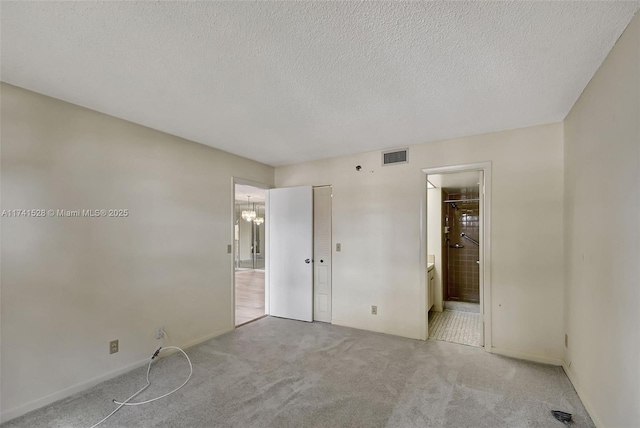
{"x":288,"y":82}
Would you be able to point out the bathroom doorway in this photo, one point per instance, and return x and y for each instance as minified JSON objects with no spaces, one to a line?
{"x":249,"y":253}
{"x":455,"y":256}
{"x":460,"y":241}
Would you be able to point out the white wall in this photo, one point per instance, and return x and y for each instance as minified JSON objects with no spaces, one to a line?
{"x":602,"y":178}
{"x":377,"y":217}
{"x":71,"y":285}
{"x":434,"y":240}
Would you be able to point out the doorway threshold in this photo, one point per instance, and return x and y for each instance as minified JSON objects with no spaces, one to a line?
{"x":250,"y":321}
{"x":456,"y":305}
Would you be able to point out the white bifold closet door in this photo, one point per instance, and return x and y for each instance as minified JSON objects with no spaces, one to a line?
{"x":322,"y":254}
{"x":290,"y":266}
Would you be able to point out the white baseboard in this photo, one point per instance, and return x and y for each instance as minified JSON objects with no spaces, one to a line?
{"x":205,"y":338}
{"x":371,"y":328}
{"x":66,"y":392}
{"x":585,"y":400}
{"x":81,"y":386}
{"x":527,"y":356}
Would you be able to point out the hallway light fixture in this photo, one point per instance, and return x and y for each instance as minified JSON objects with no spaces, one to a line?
{"x":248,"y":214}
{"x":259,"y":220}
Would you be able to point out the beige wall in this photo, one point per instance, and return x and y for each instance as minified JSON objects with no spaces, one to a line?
{"x":71,"y":285}
{"x":377,"y":218}
{"x":602,"y":179}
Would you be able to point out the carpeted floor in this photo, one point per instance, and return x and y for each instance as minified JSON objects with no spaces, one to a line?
{"x":282,"y":373}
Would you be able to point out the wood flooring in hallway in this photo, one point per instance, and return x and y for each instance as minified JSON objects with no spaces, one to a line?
{"x":249,"y":295}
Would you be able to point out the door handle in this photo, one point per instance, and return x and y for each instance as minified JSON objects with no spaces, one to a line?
{"x":307,"y":261}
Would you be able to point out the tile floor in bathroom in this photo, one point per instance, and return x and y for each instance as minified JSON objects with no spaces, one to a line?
{"x":458,"y":323}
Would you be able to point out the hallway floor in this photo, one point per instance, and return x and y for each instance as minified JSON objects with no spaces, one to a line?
{"x":249,"y":295}
{"x":456,"y":326}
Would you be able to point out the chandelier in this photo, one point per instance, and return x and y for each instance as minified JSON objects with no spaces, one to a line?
{"x":259,"y":219}
{"x":248,"y":214}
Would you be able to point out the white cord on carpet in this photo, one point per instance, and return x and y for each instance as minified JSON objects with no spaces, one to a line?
{"x":127,"y":401}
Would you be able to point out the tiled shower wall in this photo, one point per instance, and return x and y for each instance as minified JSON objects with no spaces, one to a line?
{"x":463,"y":275}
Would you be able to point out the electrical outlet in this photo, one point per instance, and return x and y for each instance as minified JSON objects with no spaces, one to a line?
{"x":566,"y":340}
{"x":338,"y":247}
{"x":160,"y":333}
{"x":229,"y":249}
{"x":113,"y":346}
{"x":374,"y":310}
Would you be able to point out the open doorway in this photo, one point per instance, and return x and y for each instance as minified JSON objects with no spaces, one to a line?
{"x":249,"y":253}
{"x":457,"y":255}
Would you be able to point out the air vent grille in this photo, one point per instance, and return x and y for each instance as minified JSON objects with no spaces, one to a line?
{"x":395,"y":156}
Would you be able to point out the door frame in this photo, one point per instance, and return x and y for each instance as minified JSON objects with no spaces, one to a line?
{"x":485,"y":243}
{"x":234,"y":181}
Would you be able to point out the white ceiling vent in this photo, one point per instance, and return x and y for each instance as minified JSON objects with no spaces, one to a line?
{"x":395,"y":156}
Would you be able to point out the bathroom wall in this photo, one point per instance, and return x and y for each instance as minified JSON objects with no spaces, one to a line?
{"x":463,"y":273}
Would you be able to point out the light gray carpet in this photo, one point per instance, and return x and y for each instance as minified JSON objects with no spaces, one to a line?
{"x":456,"y":327}
{"x":282,"y":373}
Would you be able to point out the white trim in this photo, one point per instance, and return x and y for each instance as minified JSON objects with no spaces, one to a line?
{"x":66,"y":392}
{"x":205,"y":338}
{"x":485,"y":241}
{"x":526,"y":356}
{"x":478,"y":166}
{"x":82,"y":386}
{"x":267,"y":254}
{"x":583,"y":397}
{"x":367,"y":327}
{"x":422,"y":254}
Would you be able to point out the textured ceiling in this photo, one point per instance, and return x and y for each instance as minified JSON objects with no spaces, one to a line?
{"x":294,"y":81}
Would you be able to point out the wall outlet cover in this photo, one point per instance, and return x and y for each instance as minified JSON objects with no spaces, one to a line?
{"x":113,"y":347}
